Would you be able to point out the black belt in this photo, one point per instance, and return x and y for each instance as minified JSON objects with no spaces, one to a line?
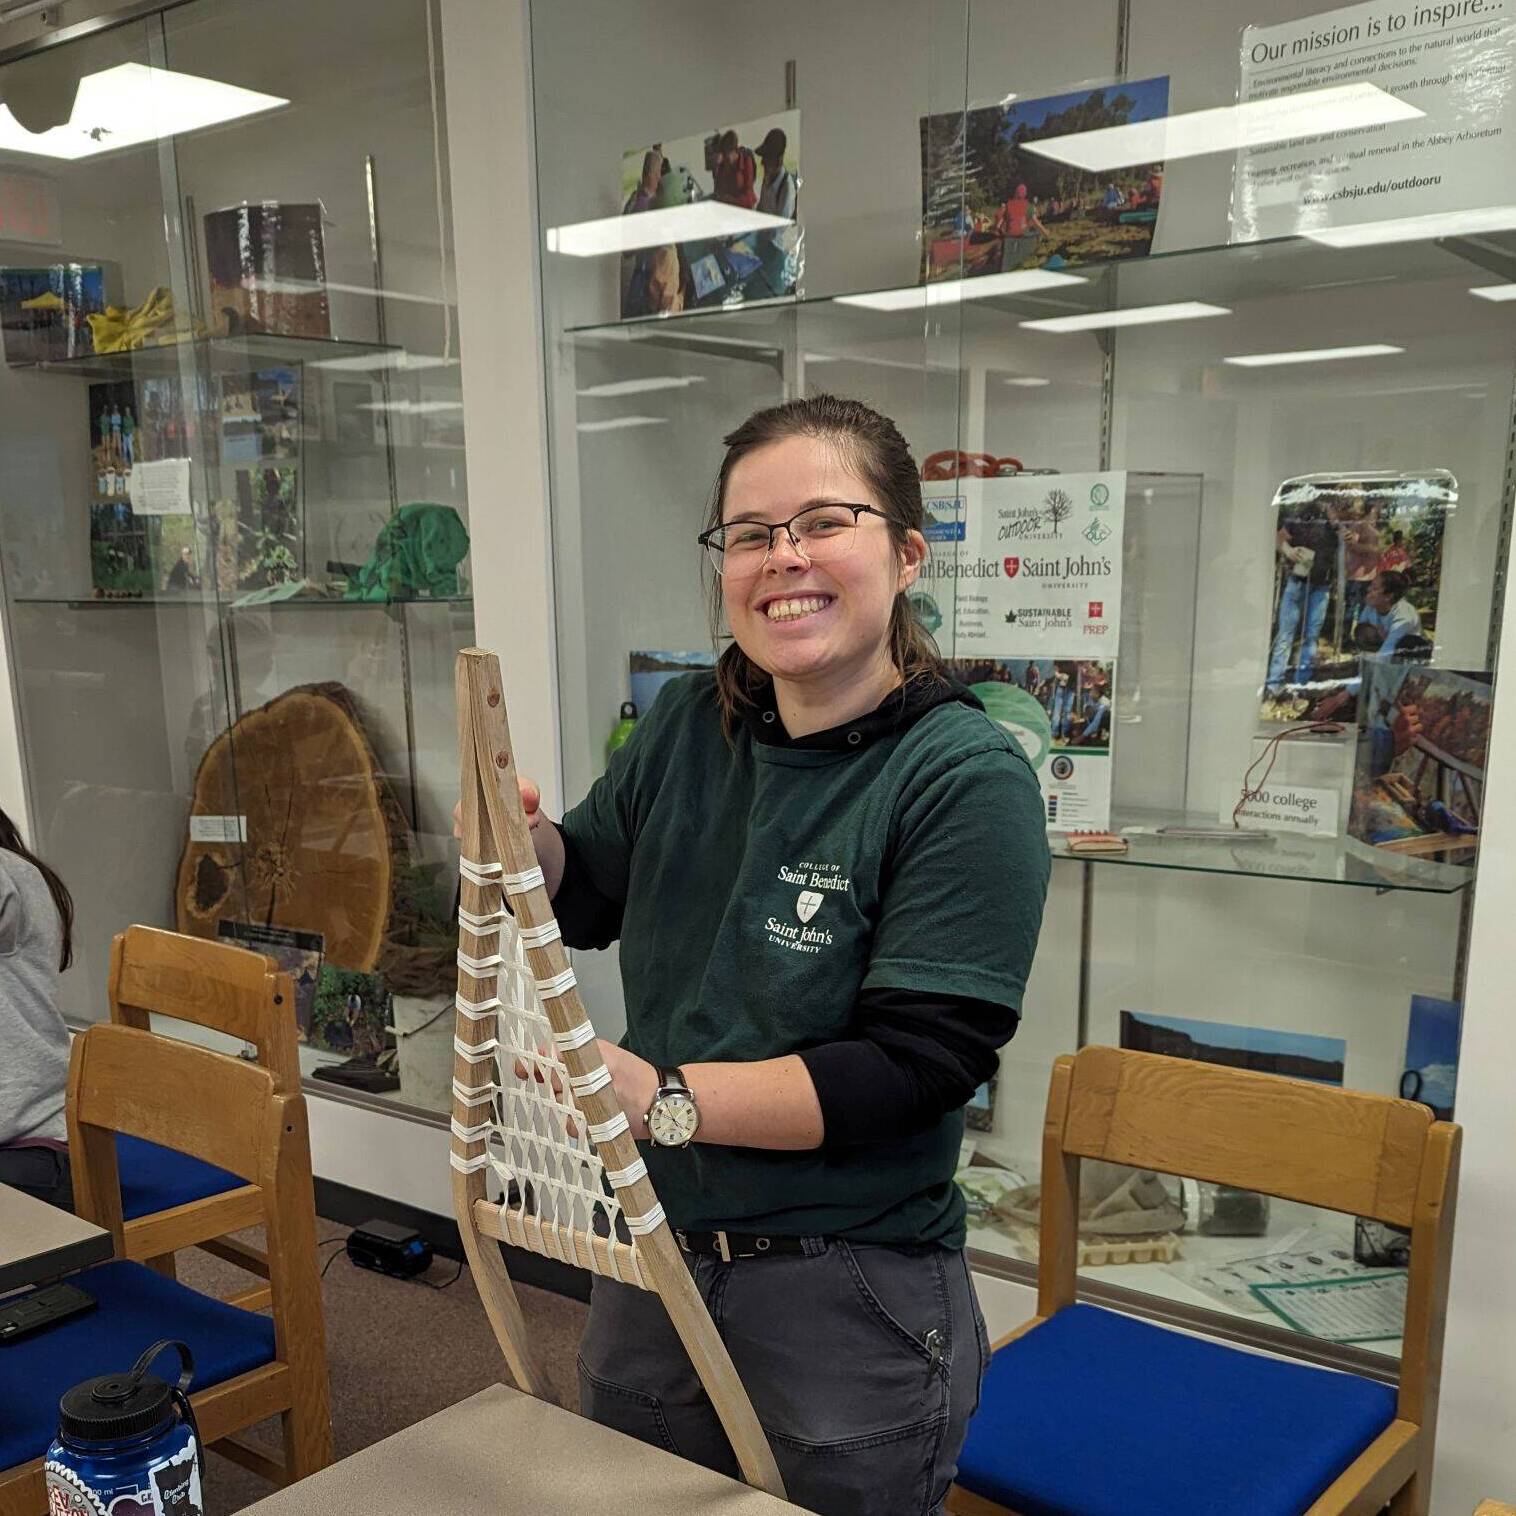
{"x":729,"y":1245}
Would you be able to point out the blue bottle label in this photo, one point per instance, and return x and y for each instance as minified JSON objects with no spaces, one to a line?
{"x":166,"y":1487}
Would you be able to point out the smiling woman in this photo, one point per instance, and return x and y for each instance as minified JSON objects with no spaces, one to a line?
{"x":826,"y":868}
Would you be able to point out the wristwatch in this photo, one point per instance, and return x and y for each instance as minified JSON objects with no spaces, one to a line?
{"x":673,"y":1118}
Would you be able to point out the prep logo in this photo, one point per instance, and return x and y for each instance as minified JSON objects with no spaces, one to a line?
{"x":1012,"y":567}
{"x":1097,"y":610}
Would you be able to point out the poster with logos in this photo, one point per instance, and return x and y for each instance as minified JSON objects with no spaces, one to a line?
{"x":1025,"y":578}
{"x":1394,"y":110}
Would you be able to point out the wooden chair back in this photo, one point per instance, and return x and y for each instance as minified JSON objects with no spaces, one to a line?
{"x":1366,"y":1155}
{"x":212,"y":984}
{"x":518,"y":1008}
{"x":230,"y":1113}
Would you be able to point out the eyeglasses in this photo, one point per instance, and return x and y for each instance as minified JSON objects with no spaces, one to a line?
{"x":819,"y":533}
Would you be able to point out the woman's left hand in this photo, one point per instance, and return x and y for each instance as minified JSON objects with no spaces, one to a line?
{"x":635,"y":1082}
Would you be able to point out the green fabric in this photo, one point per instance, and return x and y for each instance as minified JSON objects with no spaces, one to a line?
{"x":928,"y":854}
{"x":415,"y":557}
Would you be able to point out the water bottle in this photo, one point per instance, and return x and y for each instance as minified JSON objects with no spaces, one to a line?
{"x":622,"y":729}
{"x":127,"y":1444}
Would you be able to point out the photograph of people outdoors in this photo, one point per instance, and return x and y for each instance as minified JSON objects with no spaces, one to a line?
{"x":754,"y":165}
{"x":1418,"y":784}
{"x":1045,"y":703}
{"x":1357,"y":571}
{"x":990,"y":203}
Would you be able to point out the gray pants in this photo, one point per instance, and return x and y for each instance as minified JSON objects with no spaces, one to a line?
{"x":863,"y":1363}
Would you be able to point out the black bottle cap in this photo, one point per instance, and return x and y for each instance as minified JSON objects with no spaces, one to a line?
{"x":116,"y":1406}
{"x":628,"y":710}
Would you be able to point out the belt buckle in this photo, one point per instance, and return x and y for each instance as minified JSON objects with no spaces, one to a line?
{"x":722,"y":1246}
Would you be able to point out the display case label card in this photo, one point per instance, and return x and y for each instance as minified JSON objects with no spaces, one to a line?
{"x":218,"y":828}
{"x":1284,"y":808}
{"x":161,"y":487}
{"x":1420,"y":123}
{"x":1027,"y":565}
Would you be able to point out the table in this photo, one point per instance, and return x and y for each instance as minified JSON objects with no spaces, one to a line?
{"x":512,"y":1455}
{"x":38,"y":1241}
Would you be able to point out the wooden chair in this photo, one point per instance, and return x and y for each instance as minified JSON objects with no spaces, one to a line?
{"x":574,"y":1188}
{"x":1086,"y":1410}
{"x":170,"y":1200}
{"x":248,"y":1367}
{"x":1494,"y":1508}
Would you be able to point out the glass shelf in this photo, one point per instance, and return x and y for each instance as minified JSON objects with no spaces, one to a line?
{"x":1285,"y":855}
{"x":215,"y":355}
{"x":83,"y":602}
{"x":1287,"y":266}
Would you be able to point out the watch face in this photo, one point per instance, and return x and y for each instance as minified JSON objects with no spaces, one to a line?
{"x":672,"y":1121}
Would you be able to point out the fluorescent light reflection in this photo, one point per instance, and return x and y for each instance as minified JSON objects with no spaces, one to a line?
{"x":1314,"y":355}
{"x":1227,"y":128}
{"x":1142,"y":315}
{"x":1495,"y":291}
{"x":131,"y":104}
{"x":639,"y":386}
{"x":676,"y":223}
{"x":1028,"y":382}
{"x":400,"y":362}
{"x":331,"y":286}
{"x":951,"y":291}
{"x":412,"y":407}
{"x":1492,"y":218}
{"x":620,"y":423}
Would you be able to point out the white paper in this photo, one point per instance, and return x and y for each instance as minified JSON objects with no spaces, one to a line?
{"x":1284,"y":808}
{"x":1034,"y":569}
{"x":1366,"y":1309}
{"x":161,"y":487}
{"x":218,"y":828}
{"x":1451,"y":59}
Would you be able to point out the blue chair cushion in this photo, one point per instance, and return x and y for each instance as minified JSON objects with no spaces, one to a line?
{"x":1097,"y":1414}
{"x":155,"y":1178}
{"x":136,"y":1306}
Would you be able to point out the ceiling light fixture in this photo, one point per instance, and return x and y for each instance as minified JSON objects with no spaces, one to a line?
{"x":1142,"y":315}
{"x":1028,"y":382}
{"x":1314,"y":355}
{"x":1491,"y":218}
{"x":130,"y":104}
{"x":1494,"y":291}
{"x":639,"y":386}
{"x":676,"y":223}
{"x":620,"y":423}
{"x":1227,"y":128}
{"x":951,"y":291}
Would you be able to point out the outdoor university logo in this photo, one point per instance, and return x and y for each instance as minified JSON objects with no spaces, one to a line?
{"x":1012,"y":567}
{"x":808,"y":903}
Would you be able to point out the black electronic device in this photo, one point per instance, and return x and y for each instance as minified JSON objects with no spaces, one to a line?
{"x":387,"y":1248}
{"x":42,"y":1308}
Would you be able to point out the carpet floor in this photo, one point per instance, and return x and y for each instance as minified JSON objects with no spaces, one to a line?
{"x":397,"y":1351}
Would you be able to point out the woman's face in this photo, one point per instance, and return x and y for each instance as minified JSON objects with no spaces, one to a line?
{"x":803,"y":621}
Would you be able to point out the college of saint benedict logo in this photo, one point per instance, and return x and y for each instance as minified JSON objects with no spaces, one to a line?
{"x":1012,"y":567}
{"x":807,"y":904}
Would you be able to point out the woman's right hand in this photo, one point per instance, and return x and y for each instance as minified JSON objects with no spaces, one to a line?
{"x":531,"y":803}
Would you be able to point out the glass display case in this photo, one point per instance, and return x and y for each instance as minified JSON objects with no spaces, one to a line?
{"x":233,"y":507}
{"x":1300,"y":397}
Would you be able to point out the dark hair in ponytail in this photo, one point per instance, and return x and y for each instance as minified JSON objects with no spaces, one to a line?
{"x":872,"y":444}
{"x":10,"y":840}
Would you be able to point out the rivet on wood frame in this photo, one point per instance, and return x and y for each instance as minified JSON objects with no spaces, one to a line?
{"x":501,"y":759}
{"x":493,"y":698}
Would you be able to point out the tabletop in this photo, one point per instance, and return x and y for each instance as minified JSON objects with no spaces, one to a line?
{"x":38,"y":1241}
{"x":512,"y":1455}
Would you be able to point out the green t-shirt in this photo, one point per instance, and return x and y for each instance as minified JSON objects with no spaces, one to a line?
{"x":765,"y":886}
